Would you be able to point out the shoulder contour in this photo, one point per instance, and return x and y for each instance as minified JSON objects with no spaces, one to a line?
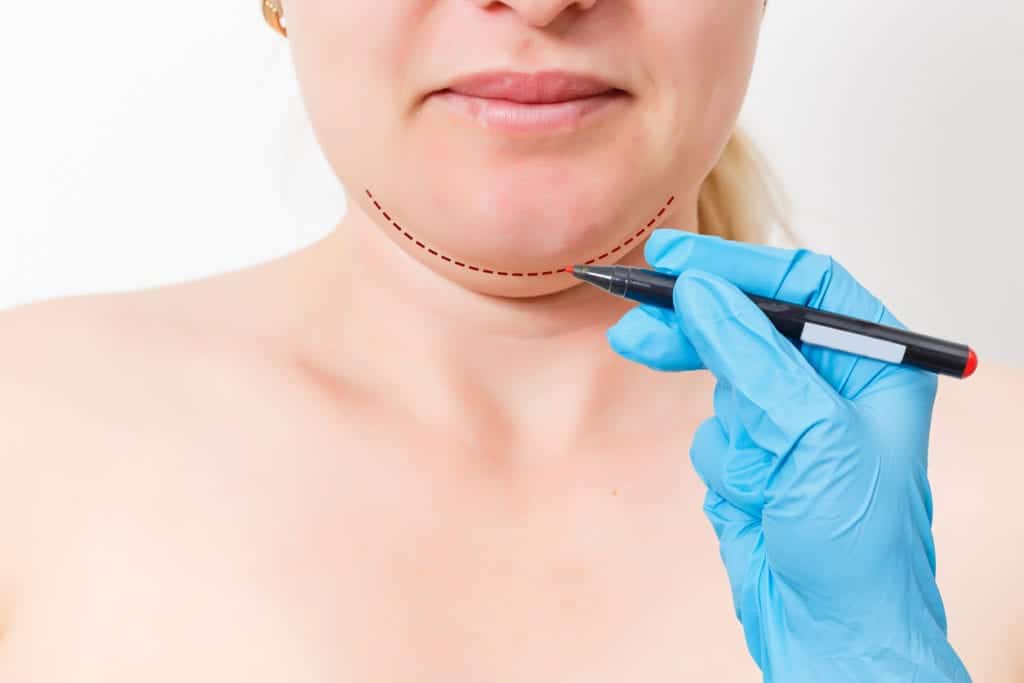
{"x":40,"y":345}
{"x":976,"y":468}
{"x":45,"y":342}
{"x":978,"y":415}
{"x":48,"y":349}
{"x":975,"y":435}
{"x":64,"y":362}
{"x":991,"y":382}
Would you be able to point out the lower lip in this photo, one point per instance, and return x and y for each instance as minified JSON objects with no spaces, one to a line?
{"x":515,"y":116}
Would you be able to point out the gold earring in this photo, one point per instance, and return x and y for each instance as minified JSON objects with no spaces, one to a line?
{"x":272,"y":15}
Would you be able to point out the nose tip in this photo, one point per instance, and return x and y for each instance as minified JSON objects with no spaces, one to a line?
{"x":539,"y":13}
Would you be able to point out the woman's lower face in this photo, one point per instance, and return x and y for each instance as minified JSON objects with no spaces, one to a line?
{"x":522,"y":136}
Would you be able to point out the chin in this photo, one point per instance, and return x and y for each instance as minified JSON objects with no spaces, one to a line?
{"x":527,"y":242}
{"x":494,"y":243}
{"x":525,"y":209}
{"x":530,"y":219}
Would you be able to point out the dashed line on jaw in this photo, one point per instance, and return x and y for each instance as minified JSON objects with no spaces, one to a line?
{"x":487,"y":271}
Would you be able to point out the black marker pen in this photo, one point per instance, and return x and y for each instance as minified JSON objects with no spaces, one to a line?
{"x":809,"y":325}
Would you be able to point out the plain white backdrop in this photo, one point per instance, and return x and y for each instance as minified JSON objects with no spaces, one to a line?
{"x":147,"y":143}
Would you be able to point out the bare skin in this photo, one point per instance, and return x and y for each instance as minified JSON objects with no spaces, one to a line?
{"x":358,"y":463}
{"x":190,"y":500}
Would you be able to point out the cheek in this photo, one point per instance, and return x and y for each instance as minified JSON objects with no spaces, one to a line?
{"x":349,"y":58}
{"x":703,"y":53}
{"x":343,"y":124}
{"x":344,"y":50}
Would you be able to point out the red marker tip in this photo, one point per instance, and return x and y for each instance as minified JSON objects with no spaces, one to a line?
{"x":972,"y":363}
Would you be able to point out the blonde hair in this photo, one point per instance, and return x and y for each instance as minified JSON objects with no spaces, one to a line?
{"x":742,"y":199}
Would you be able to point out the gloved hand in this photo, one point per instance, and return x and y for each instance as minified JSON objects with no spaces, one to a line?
{"x":815,"y":462}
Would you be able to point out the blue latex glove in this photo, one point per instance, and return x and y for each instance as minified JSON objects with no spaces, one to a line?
{"x":815,"y":462}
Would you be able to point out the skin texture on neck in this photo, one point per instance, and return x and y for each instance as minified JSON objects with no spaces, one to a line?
{"x":488,"y":358}
{"x":524,"y":368}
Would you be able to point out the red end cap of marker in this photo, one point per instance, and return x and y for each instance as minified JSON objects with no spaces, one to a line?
{"x":972,"y":363}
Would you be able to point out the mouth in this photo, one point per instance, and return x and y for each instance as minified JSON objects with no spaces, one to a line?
{"x":529,"y":102}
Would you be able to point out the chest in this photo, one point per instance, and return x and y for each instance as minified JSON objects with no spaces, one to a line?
{"x":263,"y":554}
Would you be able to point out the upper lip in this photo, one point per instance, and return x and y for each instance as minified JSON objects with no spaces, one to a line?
{"x":542,"y":87}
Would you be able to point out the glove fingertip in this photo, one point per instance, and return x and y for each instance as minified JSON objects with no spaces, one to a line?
{"x":632,"y":328}
{"x":646,"y":338}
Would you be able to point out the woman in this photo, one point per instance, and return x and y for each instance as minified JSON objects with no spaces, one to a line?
{"x":418,"y":449}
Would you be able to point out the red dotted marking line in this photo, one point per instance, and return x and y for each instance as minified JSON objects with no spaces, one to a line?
{"x":460,"y":264}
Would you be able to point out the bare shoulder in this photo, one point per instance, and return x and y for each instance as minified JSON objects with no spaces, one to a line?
{"x":58,"y":354}
{"x":76,"y":372}
{"x":63,"y":338}
{"x":52,"y":347}
{"x":39,"y":338}
{"x":79,"y":353}
{"x":975,"y":429}
{"x":976,"y":467}
{"x":45,"y":349}
{"x":82,"y":352}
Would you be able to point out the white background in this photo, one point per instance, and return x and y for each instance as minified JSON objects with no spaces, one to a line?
{"x":144,"y":143}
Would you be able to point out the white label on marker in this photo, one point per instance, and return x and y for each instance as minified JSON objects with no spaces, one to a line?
{"x":851,"y":342}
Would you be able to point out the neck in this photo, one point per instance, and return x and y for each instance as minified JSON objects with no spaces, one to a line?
{"x":519,"y":369}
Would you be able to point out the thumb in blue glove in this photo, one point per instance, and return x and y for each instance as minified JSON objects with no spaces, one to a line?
{"x":815,"y":462}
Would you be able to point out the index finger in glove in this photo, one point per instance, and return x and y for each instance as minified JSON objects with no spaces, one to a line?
{"x":778,"y":398}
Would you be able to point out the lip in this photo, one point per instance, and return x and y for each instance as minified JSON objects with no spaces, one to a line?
{"x":542,"y":87}
{"x":516,"y":101}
